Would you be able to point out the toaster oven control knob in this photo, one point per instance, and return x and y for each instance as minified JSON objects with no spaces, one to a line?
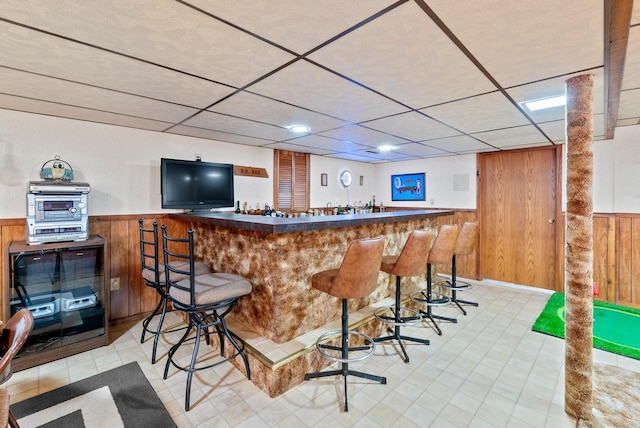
{"x":73,"y":210}
{"x":81,"y":205}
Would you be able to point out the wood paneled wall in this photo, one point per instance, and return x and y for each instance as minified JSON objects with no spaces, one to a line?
{"x":616,"y":264}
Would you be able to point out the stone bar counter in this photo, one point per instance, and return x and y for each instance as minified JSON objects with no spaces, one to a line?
{"x":278,"y":256}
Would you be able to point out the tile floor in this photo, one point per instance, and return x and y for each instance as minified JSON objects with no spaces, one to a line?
{"x":488,"y":370}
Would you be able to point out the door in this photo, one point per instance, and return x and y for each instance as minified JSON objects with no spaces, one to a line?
{"x":519,"y":214}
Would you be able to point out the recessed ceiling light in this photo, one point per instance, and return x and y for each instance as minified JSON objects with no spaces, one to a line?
{"x":543,"y":103}
{"x":298,"y":128}
{"x":386,"y":148}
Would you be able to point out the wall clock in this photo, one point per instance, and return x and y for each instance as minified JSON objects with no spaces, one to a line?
{"x":346,"y":178}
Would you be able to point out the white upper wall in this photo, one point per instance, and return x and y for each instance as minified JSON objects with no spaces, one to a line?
{"x":440,"y":174}
{"x":333,"y":192}
{"x":122,"y":165}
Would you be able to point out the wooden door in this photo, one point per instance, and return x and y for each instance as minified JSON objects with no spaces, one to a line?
{"x":519,"y":214}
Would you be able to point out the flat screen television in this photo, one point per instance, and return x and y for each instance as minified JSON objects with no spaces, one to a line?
{"x":196,"y":185}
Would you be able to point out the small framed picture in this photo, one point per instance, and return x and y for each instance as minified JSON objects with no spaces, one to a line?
{"x":323,"y":179}
{"x":407,"y":187}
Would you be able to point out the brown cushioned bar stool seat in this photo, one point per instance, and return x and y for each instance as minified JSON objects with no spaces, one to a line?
{"x":441,"y":253}
{"x":206,"y":300}
{"x":411,"y":261}
{"x":357,"y":277}
{"x":153,"y":275}
{"x":465,"y":244}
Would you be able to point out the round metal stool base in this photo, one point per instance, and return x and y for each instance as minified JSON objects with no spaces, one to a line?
{"x":421,"y":297}
{"x":405,"y":316}
{"x":367,"y":349}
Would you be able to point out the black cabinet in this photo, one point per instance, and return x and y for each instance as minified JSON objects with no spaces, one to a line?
{"x":63,"y":286}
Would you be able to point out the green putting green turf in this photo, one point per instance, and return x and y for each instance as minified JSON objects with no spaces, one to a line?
{"x":615,"y":328}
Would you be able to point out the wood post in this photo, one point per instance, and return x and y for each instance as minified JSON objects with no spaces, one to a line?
{"x":579,"y":249}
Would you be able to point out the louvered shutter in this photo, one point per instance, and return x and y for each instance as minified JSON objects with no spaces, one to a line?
{"x":291,"y":181}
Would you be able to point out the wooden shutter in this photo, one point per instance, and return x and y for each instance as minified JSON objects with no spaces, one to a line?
{"x":291,"y":181}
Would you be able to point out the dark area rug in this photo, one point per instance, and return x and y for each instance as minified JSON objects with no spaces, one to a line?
{"x":121,"y":397}
{"x":615,"y":327}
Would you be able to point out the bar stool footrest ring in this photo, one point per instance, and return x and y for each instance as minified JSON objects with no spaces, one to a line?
{"x":440,"y":299}
{"x":413,"y":317}
{"x":368,"y":348}
{"x":460,"y":285}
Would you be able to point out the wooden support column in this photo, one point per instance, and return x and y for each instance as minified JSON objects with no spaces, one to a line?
{"x":579,"y":249}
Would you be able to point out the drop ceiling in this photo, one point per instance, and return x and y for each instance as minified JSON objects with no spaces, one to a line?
{"x":429,"y":77}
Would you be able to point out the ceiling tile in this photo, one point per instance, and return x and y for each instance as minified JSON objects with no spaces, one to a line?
{"x":516,"y":49}
{"x":53,"y":109}
{"x":248,"y":105}
{"x":39,"y":53}
{"x":476,"y":114}
{"x":405,"y":56}
{"x":631,"y":78}
{"x":554,"y":87}
{"x":296,"y":148}
{"x":458,"y":144}
{"x":352,"y":156}
{"x":166,"y":33}
{"x":299,"y":25}
{"x":326,"y":143}
{"x":234,"y":125}
{"x":29,"y":85}
{"x":421,"y":150}
{"x":555,"y":130}
{"x":313,"y":88}
{"x":628,"y":122}
{"x":511,"y":137}
{"x":218,"y":136}
{"x":629,"y":104}
{"x":635,"y":14}
{"x":386,"y":156}
{"x":412,"y":126}
{"x":368,"y":137}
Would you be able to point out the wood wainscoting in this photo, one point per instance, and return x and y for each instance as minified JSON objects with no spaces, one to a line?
{"x":616,"y":267}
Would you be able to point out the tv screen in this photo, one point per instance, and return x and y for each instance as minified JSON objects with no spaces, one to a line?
{"x":195,"y":185}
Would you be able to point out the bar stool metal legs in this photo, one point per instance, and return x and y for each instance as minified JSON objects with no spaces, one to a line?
{"x":397,"y":320}
{"x":465,"y":245}
{"x":368,"y":348}
{"x":426,"y":297}
{"x":454,"y":286}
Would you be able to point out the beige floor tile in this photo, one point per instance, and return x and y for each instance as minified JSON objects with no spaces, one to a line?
{"x":487,"y":370}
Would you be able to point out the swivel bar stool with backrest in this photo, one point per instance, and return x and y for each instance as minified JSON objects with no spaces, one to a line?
{"x":465,"y":244}
{"x":153,"y":275}
{"x":356,"y":277}
{"x":205,"y":300}
{"x":411,"y":261}
{"x":441,"y":253}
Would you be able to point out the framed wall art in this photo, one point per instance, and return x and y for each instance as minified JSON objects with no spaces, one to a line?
{"x":407,"y":187}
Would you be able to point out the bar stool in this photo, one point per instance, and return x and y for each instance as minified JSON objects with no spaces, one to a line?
{"x":441,"y":252}
{"x":465,"y":244}
{"x":153,"y":275}
{"x":411,"y":261}
{"x":357,"y":277}
{"x":206,"y":300}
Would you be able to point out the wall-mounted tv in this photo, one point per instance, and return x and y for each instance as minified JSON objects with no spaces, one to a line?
{"x":196,"y":185}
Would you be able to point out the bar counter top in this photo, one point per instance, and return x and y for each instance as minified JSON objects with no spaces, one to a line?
{"x":277,"y":225}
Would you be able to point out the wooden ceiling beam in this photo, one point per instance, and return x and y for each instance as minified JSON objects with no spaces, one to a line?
{"x":617,"y":21}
